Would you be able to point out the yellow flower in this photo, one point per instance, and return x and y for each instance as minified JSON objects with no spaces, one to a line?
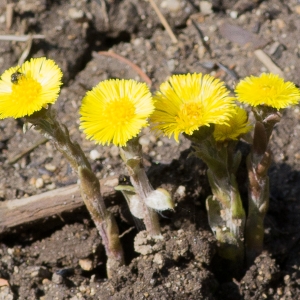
{"x":237,"y":125}
{"x":28,"y":88}
{"x":114,"y":111}
{"x":268,"y":89}
{"x":186,"y":102}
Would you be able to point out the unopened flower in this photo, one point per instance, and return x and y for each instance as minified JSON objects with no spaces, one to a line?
{"x":268,"y":89}
{"x":238,"y":125}
{"x":28,"y":88}
{"x":186,"y":102}
{"x":115,"y":111}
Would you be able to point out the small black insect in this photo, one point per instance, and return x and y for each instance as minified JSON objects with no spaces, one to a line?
{"x":15,"y":77}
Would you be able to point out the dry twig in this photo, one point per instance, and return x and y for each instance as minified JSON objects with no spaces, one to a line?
{"x":267,"y":61}
{"x":164,"y":21}
{"x":21,"y":38}
{"x":136,"y":68}
{"x":22,"y":211}
{"x":9,"y":15}
{"x":26,"y":151}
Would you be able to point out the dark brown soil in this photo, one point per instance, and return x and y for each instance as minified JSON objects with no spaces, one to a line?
{"x":62,"y":257}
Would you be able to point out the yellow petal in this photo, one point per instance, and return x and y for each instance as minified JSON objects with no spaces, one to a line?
{"x":28,"y":88}
{"x":115,"y":111}
{"x":186,"y":102}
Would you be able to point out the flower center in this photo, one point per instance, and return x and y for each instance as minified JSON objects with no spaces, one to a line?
{"x":190,"y":113}
{"x":26,"y":90}
{"x":119,"y":112}
{"x":269,"y":90}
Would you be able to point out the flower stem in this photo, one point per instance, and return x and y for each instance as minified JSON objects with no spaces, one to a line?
{"x":132,"y":156}
{"x":46,"y":122}
{"x":258,"y":163}
{"x":226,"y":214}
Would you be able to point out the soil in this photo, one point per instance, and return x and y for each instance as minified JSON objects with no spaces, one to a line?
{"x":62,"y":257}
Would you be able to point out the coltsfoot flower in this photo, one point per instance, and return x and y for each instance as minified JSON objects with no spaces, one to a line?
{"x":238,"y":125}
{"x":115,"y":111}
{"x":186,"y":102}
{"x":268,"y":89}
{"x":28,"y":88}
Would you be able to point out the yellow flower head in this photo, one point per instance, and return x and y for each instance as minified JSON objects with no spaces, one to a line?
{"x":28,"y":88}
{"x":114,"y":111}
{"x":186,"y":102}
{"x":269,"y":90}
{"x":237,"y":125}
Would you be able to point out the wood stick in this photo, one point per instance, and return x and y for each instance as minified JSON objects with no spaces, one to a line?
{"x":164,"y":22}
{"x":122,"y":59}
{"x":21,"y":211}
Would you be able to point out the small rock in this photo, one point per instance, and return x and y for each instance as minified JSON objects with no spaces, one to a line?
{"x":171,"y":65}
{"x":234,"y":14}
{"x":158,"y":259}
{"x":39,"y":271}
{"x":46,"y":281}
{"x":144,"y":141}
{"x":171,"y":5}
{"x":82,"y":289}
{"x":56,"y":278}
{"x":205,"y":7}
{"x":94,"y":155}
{"x":114,"y":151}
{"x":32,"y":181}
{"x":159,"y":144}
{"x":297,"y":155}
{"x":39,"y":183}
{"x":93,"y":292}
{"x":51,"y":186}
{"x":50,"y":167}
{"x":76,"y":14}
{"x":86,"y":264}
{"x":181,"y":191}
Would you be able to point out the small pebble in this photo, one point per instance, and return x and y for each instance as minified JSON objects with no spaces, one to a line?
{"x":56,"y":278}
{"x":46,"y":281}
{"x":152,"y":153}
{"x":32,"y":181}
{"x":51,"y":186}
{"x":158,"y":258}
{"x":86,"y":264}
{"x":82,"y":288}
{"x":114,"y":151}
{"x":93,"y":292}
{"x":171,"y":65}
{"x":75,"y":14}
{"x":205,"y":7}
{"x":144,"y":140}
{"x":39,"y":183}
{"x":50,"y":167}
{"x":234,"y":14}
{"x":171,"y":5}
{"x":279,"y":291}
{"x":94,"y":155}
{"x":181,"y":191}
{"x":39,"y":271}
